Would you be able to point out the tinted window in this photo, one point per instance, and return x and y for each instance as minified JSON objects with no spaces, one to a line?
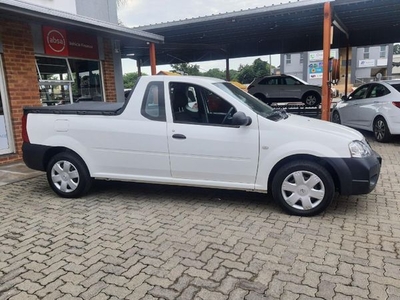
{"x":360,"y":93}
{"x":291,"y":81}
{"x":396,"y":86}
{"x":378,"y":90}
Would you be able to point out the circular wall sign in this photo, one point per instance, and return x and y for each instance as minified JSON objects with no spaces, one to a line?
{"x":56,"y":40}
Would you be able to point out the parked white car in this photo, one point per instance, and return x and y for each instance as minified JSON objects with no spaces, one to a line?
{"x":374,"y":107}
{"x":201,"y":132}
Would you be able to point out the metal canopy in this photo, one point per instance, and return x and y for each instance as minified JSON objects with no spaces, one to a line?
{"x":285,"y":28}
{"x":22,"y":11}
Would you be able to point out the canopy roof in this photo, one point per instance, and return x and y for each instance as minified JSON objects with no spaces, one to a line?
{"x":285,"y":28}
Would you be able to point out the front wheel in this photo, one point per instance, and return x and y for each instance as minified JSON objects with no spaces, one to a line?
{"x":303,"y":188}
{"x":336,"y":117}
{"x":68,"y":175}
{"x":381,"y":130}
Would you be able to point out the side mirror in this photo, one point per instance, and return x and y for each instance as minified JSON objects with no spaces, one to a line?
{"x":240,"y":119}
{"x":344,"y":98}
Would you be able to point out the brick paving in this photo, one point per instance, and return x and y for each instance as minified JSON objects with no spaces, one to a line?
{"x":137,"y":241}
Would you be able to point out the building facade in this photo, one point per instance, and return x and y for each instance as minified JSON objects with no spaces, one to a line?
{"x":57,"y":56}
{"x":364,"y":64}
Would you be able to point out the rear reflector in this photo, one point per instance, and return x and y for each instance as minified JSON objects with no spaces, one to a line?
{"x":25,"y":137}
{"x":397,"y":104}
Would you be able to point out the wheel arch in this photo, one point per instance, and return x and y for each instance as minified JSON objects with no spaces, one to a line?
{"x":379,"y":115}
{"x":321,"y":161}
{"x":51,"y":152}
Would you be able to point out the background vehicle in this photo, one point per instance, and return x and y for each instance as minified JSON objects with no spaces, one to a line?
{"x":285,"y":88}
{"x":201,"y":132}
{"x":374,"y":107}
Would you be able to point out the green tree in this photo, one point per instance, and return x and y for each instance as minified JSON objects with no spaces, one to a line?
{"x":247,"y":73}
{"x":186,"y":68}
{"x":130,"y":79}
{"x":215,"y":73}
{"x":396,"y":49}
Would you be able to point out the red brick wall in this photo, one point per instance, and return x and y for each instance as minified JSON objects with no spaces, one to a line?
{"x":108,"y":72}
{"x":20,"y":77}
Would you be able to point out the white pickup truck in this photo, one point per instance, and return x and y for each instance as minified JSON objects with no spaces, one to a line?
{"x":201,"y":132}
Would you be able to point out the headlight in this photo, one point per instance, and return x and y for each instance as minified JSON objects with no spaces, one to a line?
{"x":360,"y":149}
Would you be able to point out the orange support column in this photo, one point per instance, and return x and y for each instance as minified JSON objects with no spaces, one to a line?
{"x":326,"y":95}
{"x":153,"y":59}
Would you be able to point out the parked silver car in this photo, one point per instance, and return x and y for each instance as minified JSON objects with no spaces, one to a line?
{"x":285,"y":88}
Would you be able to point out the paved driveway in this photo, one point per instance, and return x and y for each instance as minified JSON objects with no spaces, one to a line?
{"x":134,"y":241}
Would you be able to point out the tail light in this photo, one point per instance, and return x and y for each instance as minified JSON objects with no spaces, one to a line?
{"x":397,"y":104}
{"x":25,"y":137}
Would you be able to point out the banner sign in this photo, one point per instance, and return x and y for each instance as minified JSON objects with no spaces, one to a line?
{"x":60,"y":42}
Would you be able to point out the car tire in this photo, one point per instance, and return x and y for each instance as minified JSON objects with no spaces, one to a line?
{"x":68,"y":175}
{"x":336,"y":118}
{"x":381,"y":130}
{"x":311,"y":99}
{"x":303,"y":188}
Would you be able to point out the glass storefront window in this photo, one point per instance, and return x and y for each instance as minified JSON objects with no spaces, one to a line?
{"x":63,"y":80}
{"x":6,"y":140}
{"x":87,"y":85}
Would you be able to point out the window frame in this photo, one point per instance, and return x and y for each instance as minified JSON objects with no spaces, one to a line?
{"x":288,"y":59}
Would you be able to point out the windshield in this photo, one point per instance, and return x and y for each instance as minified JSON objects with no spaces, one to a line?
{"x":253,"y":103}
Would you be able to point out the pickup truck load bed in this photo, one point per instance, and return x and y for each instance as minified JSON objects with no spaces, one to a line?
{"x":84,"y":108}
{"x":201,"y":132}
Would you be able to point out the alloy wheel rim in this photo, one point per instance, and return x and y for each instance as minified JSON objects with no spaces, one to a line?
{"x":311,"y":100}
{"x":65,"y":176}
{"x":380,"y":130}
{"x":303,"y":190}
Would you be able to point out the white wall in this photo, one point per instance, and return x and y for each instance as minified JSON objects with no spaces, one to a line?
{"x":68,"y":6}
{"x":104,"y":10}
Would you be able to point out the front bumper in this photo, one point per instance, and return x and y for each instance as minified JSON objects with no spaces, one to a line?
{"x":357,"y":175}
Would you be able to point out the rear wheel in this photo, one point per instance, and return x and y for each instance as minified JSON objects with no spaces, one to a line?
{"x":311,"y":99}
{"x":68,"y":175}
{"x":303,"y":188}
{"x":381,"y":130}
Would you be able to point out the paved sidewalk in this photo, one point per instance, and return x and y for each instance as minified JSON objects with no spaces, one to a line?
{"x":138,"y":241}
{"x":16,"y":172}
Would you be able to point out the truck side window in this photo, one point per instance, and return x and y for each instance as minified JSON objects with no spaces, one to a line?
{"x":153,"y":105}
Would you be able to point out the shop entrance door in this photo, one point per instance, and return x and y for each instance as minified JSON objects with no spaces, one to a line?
{"x":6,"y":141}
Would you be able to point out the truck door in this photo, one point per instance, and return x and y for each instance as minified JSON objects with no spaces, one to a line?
{"x":203,"y":144}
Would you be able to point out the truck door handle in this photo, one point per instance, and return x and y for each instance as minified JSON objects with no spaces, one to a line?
{"x":179,"y":136}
